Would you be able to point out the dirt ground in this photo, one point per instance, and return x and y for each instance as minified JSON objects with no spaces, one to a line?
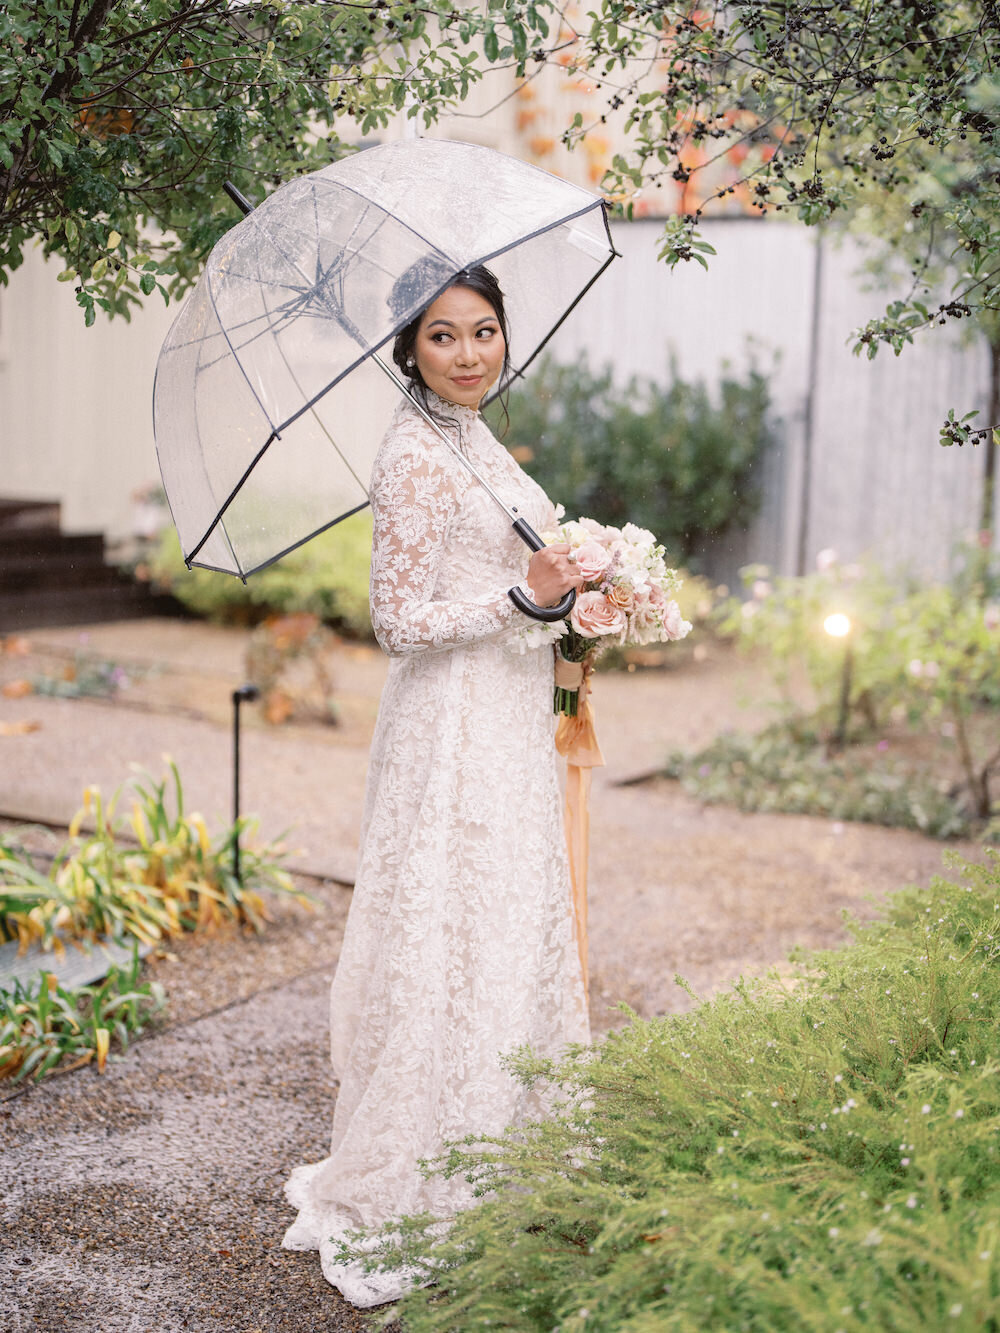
{"x":152,"y":1194}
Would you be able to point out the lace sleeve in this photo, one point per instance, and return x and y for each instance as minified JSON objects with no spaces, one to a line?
{"x":413,"y":497}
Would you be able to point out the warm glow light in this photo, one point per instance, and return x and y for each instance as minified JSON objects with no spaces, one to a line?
{"x":837,"y":625}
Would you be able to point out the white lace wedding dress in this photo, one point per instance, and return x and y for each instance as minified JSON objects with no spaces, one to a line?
{"x":460,"y":941}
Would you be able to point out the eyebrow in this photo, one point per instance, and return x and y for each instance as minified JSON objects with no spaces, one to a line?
{"x":449,"y":324}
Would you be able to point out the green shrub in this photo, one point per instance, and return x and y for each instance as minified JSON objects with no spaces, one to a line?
{"x":816,"y":1156}
{"x":776,"y":770}
{"x":668,"y":459}
{"x":327,"y":577}
{"x":923,"y":653}
{"x":177,"y":879}
{"x":42,"y":1024}
{"x":782,"y":619}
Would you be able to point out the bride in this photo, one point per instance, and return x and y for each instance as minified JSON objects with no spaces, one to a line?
{"x":460,"y":942}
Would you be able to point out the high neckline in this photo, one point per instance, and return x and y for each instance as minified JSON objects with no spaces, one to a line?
{"x":444,"y":406}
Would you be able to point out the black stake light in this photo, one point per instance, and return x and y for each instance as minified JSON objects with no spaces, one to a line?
{"x":838,"y":626}
{"x":245,"y":694}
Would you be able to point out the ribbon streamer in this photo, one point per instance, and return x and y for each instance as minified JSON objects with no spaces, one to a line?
{"x":577,"y":740}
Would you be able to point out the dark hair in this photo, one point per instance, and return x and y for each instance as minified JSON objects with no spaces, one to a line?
{"x":481,"y":281}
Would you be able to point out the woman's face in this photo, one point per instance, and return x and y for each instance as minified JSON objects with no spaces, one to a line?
{"x":460,"y":346}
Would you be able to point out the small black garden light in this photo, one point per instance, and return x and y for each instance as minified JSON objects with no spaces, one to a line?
{"x":245,"y":694}
{"x":838,"y":626}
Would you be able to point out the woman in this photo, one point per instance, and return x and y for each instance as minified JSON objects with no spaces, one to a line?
{"x":459,"y":944}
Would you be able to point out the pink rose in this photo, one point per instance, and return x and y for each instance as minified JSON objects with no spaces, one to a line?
{"x":593,"y":616}
{"x":592,"y":560}
{"x":674,"y":624}
{"x":597,"y":530}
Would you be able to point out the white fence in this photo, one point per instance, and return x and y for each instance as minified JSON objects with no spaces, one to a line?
{"x":75,"y":415}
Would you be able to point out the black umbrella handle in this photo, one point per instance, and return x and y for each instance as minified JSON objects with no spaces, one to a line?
{"x":562,"y":609}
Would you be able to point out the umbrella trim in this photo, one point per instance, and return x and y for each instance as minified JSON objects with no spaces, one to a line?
{"x":244,"y":575}
{"x":230,"y":499}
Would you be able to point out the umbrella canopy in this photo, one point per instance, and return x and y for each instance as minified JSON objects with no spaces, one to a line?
{"x":268,"y":406}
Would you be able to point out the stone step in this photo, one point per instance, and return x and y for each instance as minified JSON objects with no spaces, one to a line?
{"x":26,"y":515}
{"x":59,"y":573}
{"x":28,"y":545}
{"x":47,"y":608}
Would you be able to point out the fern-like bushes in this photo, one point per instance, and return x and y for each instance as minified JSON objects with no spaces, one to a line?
{"x":813,"y":1156}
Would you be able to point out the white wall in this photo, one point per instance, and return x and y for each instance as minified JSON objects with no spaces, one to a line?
{"x":75,"y":414}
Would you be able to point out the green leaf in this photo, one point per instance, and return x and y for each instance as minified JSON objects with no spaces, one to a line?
{"x":146,"y":283}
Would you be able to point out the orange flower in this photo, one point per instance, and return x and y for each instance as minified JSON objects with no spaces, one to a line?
{"x":621,"y":597}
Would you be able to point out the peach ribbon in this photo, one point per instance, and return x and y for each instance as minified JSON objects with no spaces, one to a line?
{"x":577,"y":740}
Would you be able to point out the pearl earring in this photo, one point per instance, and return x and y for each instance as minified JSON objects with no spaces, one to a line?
{"x":410,"y":363}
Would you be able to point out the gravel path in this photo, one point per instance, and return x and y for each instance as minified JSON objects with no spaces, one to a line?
{"x":150,"y":1197}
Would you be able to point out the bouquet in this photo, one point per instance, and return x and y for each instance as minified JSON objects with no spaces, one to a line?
{"x":626,"y":599}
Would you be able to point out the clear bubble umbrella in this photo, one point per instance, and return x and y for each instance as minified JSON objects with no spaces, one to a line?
{"x":272,"y":389}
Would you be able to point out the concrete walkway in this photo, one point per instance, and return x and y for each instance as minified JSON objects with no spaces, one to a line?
{"x":150,"y":1197}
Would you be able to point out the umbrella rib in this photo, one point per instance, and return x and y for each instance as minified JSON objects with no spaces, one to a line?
{"x":225,"y":333}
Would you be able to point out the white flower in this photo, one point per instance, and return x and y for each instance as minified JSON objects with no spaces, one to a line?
{"x":638,"y":536}
{"x":539,"y":634}
{"x":826,"y":559}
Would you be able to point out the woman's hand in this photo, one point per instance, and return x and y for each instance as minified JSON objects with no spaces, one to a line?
{"x":551,"y":574}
